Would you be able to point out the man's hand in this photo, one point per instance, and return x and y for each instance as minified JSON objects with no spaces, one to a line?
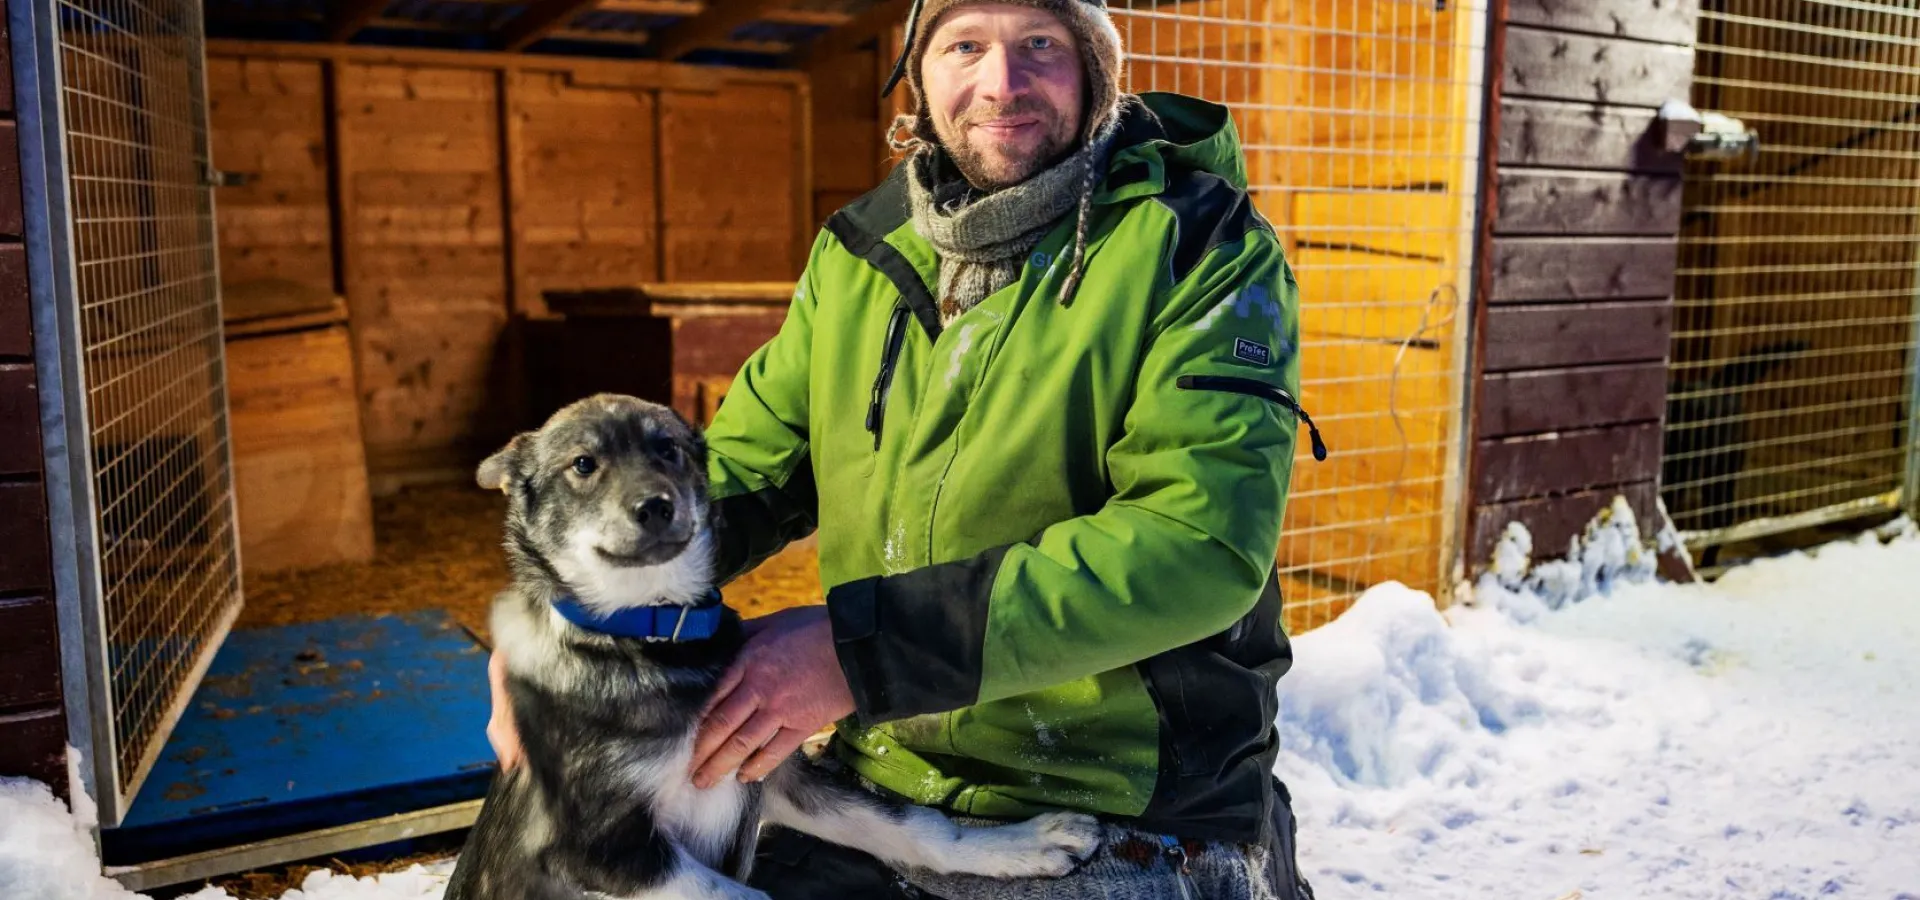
{"x":785,"y":686}
{"x":500,"y":730}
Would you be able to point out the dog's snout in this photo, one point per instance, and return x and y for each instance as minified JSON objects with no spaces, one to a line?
{"x":654,"y":514}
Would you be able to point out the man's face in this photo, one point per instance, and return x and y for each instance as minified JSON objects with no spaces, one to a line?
{"x":1004,"y":86}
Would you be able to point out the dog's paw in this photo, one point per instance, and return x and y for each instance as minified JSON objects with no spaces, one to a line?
{"x":1075,"y":835}
{"x":1045,"y":846}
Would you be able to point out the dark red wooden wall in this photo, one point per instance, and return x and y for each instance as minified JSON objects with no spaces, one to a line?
{"x":33,"y":726}
{"x":1582,"y":242}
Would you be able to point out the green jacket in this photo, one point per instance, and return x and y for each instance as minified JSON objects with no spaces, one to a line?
{"x":1048,"y":531}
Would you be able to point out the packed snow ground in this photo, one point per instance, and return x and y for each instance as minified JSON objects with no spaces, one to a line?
{"x":1576,"y":731}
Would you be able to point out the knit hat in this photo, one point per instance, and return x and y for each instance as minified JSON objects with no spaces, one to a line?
{"x":1100,"y":57}
{"x":1093,"y":31}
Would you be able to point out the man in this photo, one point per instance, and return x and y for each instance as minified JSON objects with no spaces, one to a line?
{"x":1035,"y":394}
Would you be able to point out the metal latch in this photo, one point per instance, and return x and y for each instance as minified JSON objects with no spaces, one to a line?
{"x":213,"y":177}
{"x":1706,"y":135}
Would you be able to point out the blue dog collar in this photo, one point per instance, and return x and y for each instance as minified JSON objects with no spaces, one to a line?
{"x":649,"y":623}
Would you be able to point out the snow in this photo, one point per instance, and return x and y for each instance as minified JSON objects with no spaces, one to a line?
{"x":1582,"y":731}
{"x":1575,"y":730}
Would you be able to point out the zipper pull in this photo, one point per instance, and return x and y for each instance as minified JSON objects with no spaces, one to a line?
{"x":889,"y":357}
{"x":1177,"y":861}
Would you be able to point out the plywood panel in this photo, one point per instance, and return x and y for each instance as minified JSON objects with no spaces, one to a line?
{"x":427,"y":281}
{"x":268,"y":122}
{"x":588,"y":207}
{"x":729,"y":177}
{"x":300,"y":468}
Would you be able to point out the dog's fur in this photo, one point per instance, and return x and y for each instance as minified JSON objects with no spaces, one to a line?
{"x":603,"y":805}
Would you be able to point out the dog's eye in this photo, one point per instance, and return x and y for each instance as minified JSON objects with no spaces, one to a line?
{"x":584,"y":466}
{"x":667,"y":450}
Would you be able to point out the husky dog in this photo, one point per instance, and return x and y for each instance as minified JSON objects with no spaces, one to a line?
{"x":614,"y":641}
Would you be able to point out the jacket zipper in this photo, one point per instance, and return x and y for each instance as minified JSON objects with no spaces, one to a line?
{"x":883,"y":382}
{"x":1254,"y":388}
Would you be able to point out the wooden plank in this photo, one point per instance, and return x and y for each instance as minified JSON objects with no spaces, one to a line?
{"x":36,"y":747}
{"x":300,"y":469}
{"x":1565,"y":462}
{"x":1592,"y":203}
{"x":1540,"y":337}
{"x":1663,"y":21}
{"x":537,"y":21}
{"x":730,"y":216}
{"x":1538,"y":402}
{"x":6,"y":69}
{"x":20,"y":451}
{"x":1556,"y":66}
{"x":16,"y":319}
{"x":1583,"y":136}
{"x":23,"y":531}
{"x":12,"y":219}
{"x":29,"y":654}
{"x":625,"y":73}
{"x":1581,"y":269}
{"x":269,"y":121}
{"x":588,"y":210}
{"x":716,"y":24}
{"x":1554,"y":521}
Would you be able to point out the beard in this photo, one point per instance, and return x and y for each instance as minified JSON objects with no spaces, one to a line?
{"x":992,"y":165}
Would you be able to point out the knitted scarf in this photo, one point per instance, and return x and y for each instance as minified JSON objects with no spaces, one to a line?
{"x":982,"y":240}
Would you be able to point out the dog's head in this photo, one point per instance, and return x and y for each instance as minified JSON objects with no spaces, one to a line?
{"x":609,"y":500}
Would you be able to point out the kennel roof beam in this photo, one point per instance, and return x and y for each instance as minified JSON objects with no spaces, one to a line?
{"x":857,"y":30}
{"x":347,"y":17}
{"x":713,"y":27}
{"x":538,"y":21}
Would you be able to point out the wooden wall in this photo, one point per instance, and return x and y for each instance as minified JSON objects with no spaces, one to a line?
{"x":441,"y":192}
{"x":33,"y":725}
{"x":1579,"y":269}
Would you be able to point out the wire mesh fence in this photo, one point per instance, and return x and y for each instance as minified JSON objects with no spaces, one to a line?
{"x":1794,"y":331}
{"x":132,"y":101}
{"x":1361,"y":124}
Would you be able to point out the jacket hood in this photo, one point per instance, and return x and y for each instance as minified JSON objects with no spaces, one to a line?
{"x":1160,"y":131}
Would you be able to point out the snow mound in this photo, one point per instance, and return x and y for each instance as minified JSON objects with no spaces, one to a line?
{"x":46,"y":853}
{"x":1609,"y":552}
{"x":1750,"y":738}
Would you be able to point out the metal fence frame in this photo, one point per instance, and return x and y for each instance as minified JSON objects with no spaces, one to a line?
{"x":73,"y":497}
{"x":1435,"y":467}
{"x":1777,"y":30}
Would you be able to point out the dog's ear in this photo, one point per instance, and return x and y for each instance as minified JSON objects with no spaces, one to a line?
{"x":496,"y":471}
{"x":696,"y":439}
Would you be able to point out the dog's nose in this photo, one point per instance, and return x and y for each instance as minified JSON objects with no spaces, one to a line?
{"x":654,"y":514}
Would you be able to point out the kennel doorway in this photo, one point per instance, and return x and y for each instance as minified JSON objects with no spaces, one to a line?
{"x":1361,"y":122}
{"x":120,"y":223}
{"x":1793,"y":357}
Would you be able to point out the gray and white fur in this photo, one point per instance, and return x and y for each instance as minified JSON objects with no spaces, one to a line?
{"x":607,"y":502}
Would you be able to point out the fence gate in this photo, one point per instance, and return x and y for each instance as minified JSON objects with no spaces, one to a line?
{"x":1361,"y":121}
{"x":117,"y":107}
{"x":1794,"y":332}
